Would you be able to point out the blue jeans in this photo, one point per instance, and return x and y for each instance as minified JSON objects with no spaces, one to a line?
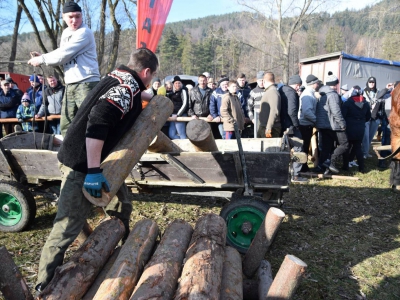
{"x":221,"y":130}
{"x":371,"y":127}
{"x":55,"y":126}
{"x":177,"y":130}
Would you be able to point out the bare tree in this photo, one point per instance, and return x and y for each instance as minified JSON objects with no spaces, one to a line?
{"x":117,"y":31}
{"x":283,"y":18}
{"x":14,"y":40}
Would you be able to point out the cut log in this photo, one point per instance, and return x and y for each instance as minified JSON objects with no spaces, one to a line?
{"x":232,"y":278}
{"x":287,"y":279}
{"x":127,"y":153}
{"x":250,"y":289}
{"x":160,"y":277}
{"x":265,"y":279}
{"x":12,"y":284}
{"x":314,"y":148}
{"x":163,"y":144}
{"x":262,"y":241}
{"x":327,"y":176}
{"x":125,"y":273}
{"x":73,"y":279}
{"x":200,"y":135}
{"x":202,"y":272}
{"x":84,"y":234}
{"x":102,"y":275}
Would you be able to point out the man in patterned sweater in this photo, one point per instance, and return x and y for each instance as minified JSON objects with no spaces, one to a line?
{"x":106,"y":114}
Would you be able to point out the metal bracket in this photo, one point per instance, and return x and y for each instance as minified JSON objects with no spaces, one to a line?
{"x":182,"y":168}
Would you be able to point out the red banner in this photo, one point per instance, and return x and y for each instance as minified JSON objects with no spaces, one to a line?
{"x":152,"y":15}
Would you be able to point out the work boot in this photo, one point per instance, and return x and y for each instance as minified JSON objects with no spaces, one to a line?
{"x":333,"y":168}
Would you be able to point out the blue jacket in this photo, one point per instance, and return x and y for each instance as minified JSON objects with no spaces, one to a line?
{"x":38,"y":97}
{"x":215,"y":102}
{"x":8,"y":104}
{"x":26,"y":112}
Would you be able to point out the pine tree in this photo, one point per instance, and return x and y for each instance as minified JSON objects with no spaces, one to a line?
{"x":391,"y":44}
{"x":334,"y":40}
{"x":312,"y":43}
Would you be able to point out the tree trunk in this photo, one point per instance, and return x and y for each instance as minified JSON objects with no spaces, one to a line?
{"x":262,"y":241}
{"x":120,"y":162}
{"x":232,"y":278}
{"x":14,"y":40}
{"x":287,"y":279}
{"x":124,"y":274}
{"x":250,"y":289}
{"x":102,"y":275}
{"x":117,"y":31}
{"x":12,"y":284}
{"x":159,"y":279}
{"x":100,"y":43}
{"x":202,"y":272}
{"x":162,"y":143}
{"x":73,"y":279}
{"x":200,"y":134}
{"x":264,"y":279}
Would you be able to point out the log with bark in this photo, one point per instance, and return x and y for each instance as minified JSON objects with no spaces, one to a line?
{"x":287,"y":279}
{"x":102,"y":275}
{"x":127,"y":153}
{"x":262,"y":241}
{"x":232,"y":278}
{"x":202,"y":272}
{"x":200,"y":135}
{"x":328,"y":176}
{"x":12,"y":284}
{"x":160,"y":277}
{"x":162,"y":143}
{"x":73,"y":279}
{"x":264,"y":276}
{"x":126,"y":270}
{"x":84,"y":234}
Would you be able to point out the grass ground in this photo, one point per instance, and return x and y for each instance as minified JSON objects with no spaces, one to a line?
{"x":348,"y":232}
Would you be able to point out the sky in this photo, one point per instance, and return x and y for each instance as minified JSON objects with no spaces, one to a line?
{"x":184,"y":9}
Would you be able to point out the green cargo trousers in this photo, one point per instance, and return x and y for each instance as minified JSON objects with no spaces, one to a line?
{"x":74,"y":95}
{"x":73,"y":209}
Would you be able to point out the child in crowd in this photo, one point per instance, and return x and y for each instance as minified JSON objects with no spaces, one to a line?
{"x":25,"y":111}
{"x":231,"y":111}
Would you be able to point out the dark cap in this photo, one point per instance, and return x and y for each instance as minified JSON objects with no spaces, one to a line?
{"x":156,"y":79}
{"x":9,"y":80}
{"x":260,"y":75}
{"x":71,"y":6}
{"x":311,"y":79}
{"x":176,"y":78}
{"x":295,"y":79}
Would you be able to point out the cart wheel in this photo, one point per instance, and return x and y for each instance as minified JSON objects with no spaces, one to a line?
{"x":17,"y":207}
{"x":243,"y":217}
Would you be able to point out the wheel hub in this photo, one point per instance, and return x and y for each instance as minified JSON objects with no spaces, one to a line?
{"x":247,"y":227}
{"x":6,"y":208}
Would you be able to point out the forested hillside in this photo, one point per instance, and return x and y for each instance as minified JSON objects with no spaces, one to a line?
{"x":237,"y":42}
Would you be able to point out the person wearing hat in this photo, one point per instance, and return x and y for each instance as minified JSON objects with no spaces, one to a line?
{"x":77,"y":54}
{"x":26,"y":110}
{"x":9,"y":102}
{"x":289,"y":118}
{"x":180,"y":99}
{"x":255,"y":95}
{"x":356,"y":112}
{"x":307,"y":112}
{"x":334,"y":127}
{"x":35,"y":91}
{"x":371,"y":127}
{"x":155,"y":85}
{"x":344,"y":92}
{"x":215,"y":104}
{"x":108,"y":113}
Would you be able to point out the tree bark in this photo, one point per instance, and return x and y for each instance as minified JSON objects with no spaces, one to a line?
{"x":117,"y":31}
{"x":14,"y":40}
{"x":162,"y":143}
{"x":287,"y":279}
{"x":250,"y":289}
{"x":124,"y":274}
{"x":100,"y":44}
{"x":12,"y":284}
{"x":200,"y":134}
{"x":120,"y":162}
{"x":232,"y":278}
{"x":264,"y":279}
{"x":102,"y":275}
{"x":73,"y":279}
{"x":262,"y":241}
{"x":202,"y":272}
{"x":160,"y":277}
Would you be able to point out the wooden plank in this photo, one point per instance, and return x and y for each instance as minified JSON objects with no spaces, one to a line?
{"x":15,"y":120}
{"x":29,"y":140}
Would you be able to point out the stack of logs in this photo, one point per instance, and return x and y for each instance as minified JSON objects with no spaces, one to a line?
{"x":186,"y":264}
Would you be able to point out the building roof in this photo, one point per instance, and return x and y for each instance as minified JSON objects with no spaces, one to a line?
{"x":334,"y":55}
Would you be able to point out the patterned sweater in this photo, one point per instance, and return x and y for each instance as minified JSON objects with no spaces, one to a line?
{"x":107,"y":113}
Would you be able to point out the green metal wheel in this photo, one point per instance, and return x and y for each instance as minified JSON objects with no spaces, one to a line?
{"x":243,"y":217}
{"x":17,"y":207}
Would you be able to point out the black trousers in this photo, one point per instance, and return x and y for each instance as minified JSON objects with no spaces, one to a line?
{"x":329,"y":137}
{"x":306,"y":133}
{"x":356,"y":151}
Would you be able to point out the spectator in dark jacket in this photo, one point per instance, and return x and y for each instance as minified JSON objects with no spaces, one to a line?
{"x":215,"y":104}
{"x":180,"y":99}
{"x":53,"y":96}
{"x":199,"y":99}
{"x":253,"y":102}
{"x":356,"y":111}
{"x":243,"y":92}
{"x":9,"y":102}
